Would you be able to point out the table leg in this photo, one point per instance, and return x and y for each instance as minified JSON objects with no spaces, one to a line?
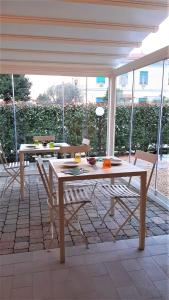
{"x":50,"y":179}
{"x":61,"y":220}
{"x":21,"y":158}
{"x":112,"y":200}
{"x":143,"y":198}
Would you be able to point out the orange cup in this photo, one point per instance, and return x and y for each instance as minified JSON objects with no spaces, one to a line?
{"x":106,"y":163}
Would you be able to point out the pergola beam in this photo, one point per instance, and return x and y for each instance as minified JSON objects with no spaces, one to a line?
{"x":144,"y":4}
{"x":5,"y":19}
{"x":67,"y":40}
{"x":146,"y":60}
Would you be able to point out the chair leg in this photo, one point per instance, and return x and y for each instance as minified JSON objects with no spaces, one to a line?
{"x":113,"y":202}
{"x":79,"y":232}
{"x":128,"y":218}
{"x":13,"y":174}
{"x":11,"y":180}
{"x":105,"y":216}
{"x":93,"y":195}
{"x":74,"y":215}
{"x":51,"y":228}
{"x":126,"y":208}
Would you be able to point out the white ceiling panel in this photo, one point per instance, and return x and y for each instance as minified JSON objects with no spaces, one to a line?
{"x":75,"y":34}
{"x":62,"y":9}
{"x":39,"y":46}
{"x":61,"y":31}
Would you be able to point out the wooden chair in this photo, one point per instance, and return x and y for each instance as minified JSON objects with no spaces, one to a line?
{"x":90,"y":184}
{"x":120,"y":193}
{"x":44,"y":138}
{"x":12,"y":169}
{"x":74,"y":149}
{"x":85,"y":141}
{"x":74,"y":200}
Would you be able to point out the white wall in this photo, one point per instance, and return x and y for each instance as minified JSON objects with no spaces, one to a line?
{"x":153,"y":89}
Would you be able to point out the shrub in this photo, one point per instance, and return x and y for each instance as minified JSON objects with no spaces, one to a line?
{"x":81,"y":121}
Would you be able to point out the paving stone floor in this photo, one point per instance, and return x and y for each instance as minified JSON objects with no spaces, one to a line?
{"x":24,"y":224}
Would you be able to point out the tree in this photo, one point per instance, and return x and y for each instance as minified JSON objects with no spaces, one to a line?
{"x":71,"y":94}
{"x":119,"y":96}
{"x":22,"y":87}
{"x":43,"y":98}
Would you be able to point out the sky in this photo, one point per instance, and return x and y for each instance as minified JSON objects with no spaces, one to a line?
{"x":40,"y":83}
{"x":153,"y":42}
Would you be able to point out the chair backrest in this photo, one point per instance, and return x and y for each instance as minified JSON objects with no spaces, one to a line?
{"x":45,"y":181}
{"x":85,"y":141}
{"x":74,"y":149}
{"x":44,"y":138}
{"x":148,"y":157}
{"x":3,"y":157}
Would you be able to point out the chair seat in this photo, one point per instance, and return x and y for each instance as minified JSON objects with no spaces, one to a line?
{"x":75,"y":196}
{"x":16,"y":164}
{"x":121,"y":191}
{"x":44,"y":158}
{"x":84,"y":183}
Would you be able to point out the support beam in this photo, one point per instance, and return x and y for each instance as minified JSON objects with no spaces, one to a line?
{"x":56,"y":52}
{"x":144,"y":4}
{"x":111,"y":116}
{"x":67,"y":40}
{"x":52,"y":68}
{"x":144,"y":61}
{"x":29,"y":20}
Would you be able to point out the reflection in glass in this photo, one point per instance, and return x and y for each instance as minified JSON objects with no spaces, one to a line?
{"x":123,"y":113}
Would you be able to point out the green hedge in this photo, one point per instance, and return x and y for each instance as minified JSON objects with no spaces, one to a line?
{"x":80,"y":121}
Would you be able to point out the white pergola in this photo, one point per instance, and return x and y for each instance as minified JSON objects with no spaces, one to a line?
{"x":79,"y":38}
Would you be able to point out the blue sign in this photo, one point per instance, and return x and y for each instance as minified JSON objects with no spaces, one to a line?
{"x":99,"y":99}
{"x":100,"y":80}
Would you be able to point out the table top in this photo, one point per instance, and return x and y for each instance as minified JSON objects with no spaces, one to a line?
{"x":94,"y":172}
{"x":32,"y":148}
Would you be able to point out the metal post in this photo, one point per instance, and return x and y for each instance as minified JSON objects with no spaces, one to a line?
{"x":86,"y":114}
{"x":160,"y":124}
{"x":63,"y":112}
{"x":14,"y":115}
{"x":86,"y":91}
{"x":131,"y":120}
{"x":111,"y":114}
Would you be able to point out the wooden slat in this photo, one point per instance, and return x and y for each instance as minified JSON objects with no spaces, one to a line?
{"x":44,"y":138}
{"x":150,"y":157}
{"x":119,"y":191}
{"x":74,"y":149}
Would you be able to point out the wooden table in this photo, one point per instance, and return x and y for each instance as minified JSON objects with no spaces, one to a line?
{"x":123,"y":170}
{"x":39,"y":149}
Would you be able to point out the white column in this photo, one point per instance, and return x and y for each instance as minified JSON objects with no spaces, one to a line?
{"x":111,"y":113}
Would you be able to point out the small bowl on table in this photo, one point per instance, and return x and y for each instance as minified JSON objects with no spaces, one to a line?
{"x":44,"y":144}
{"x":91,"y":160}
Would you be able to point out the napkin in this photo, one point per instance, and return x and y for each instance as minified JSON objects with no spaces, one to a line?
{"x":75,"y":171}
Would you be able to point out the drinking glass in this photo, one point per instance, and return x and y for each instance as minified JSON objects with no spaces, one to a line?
{"x":77,"y":157}
{"x":51,"y":145}
{"x":106,"y":163}
{"x":36,"y":142}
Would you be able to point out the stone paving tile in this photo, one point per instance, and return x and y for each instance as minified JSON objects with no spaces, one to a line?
{"x":24,"y":226}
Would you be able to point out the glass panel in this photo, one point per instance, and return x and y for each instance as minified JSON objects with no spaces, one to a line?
{"x":163,"y":164}
{"x":147,"y":101}
{"x":63,"y":107}
{"x":123,"y":113}
{"x":97,"y":97}
{"x":7,"y":116}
